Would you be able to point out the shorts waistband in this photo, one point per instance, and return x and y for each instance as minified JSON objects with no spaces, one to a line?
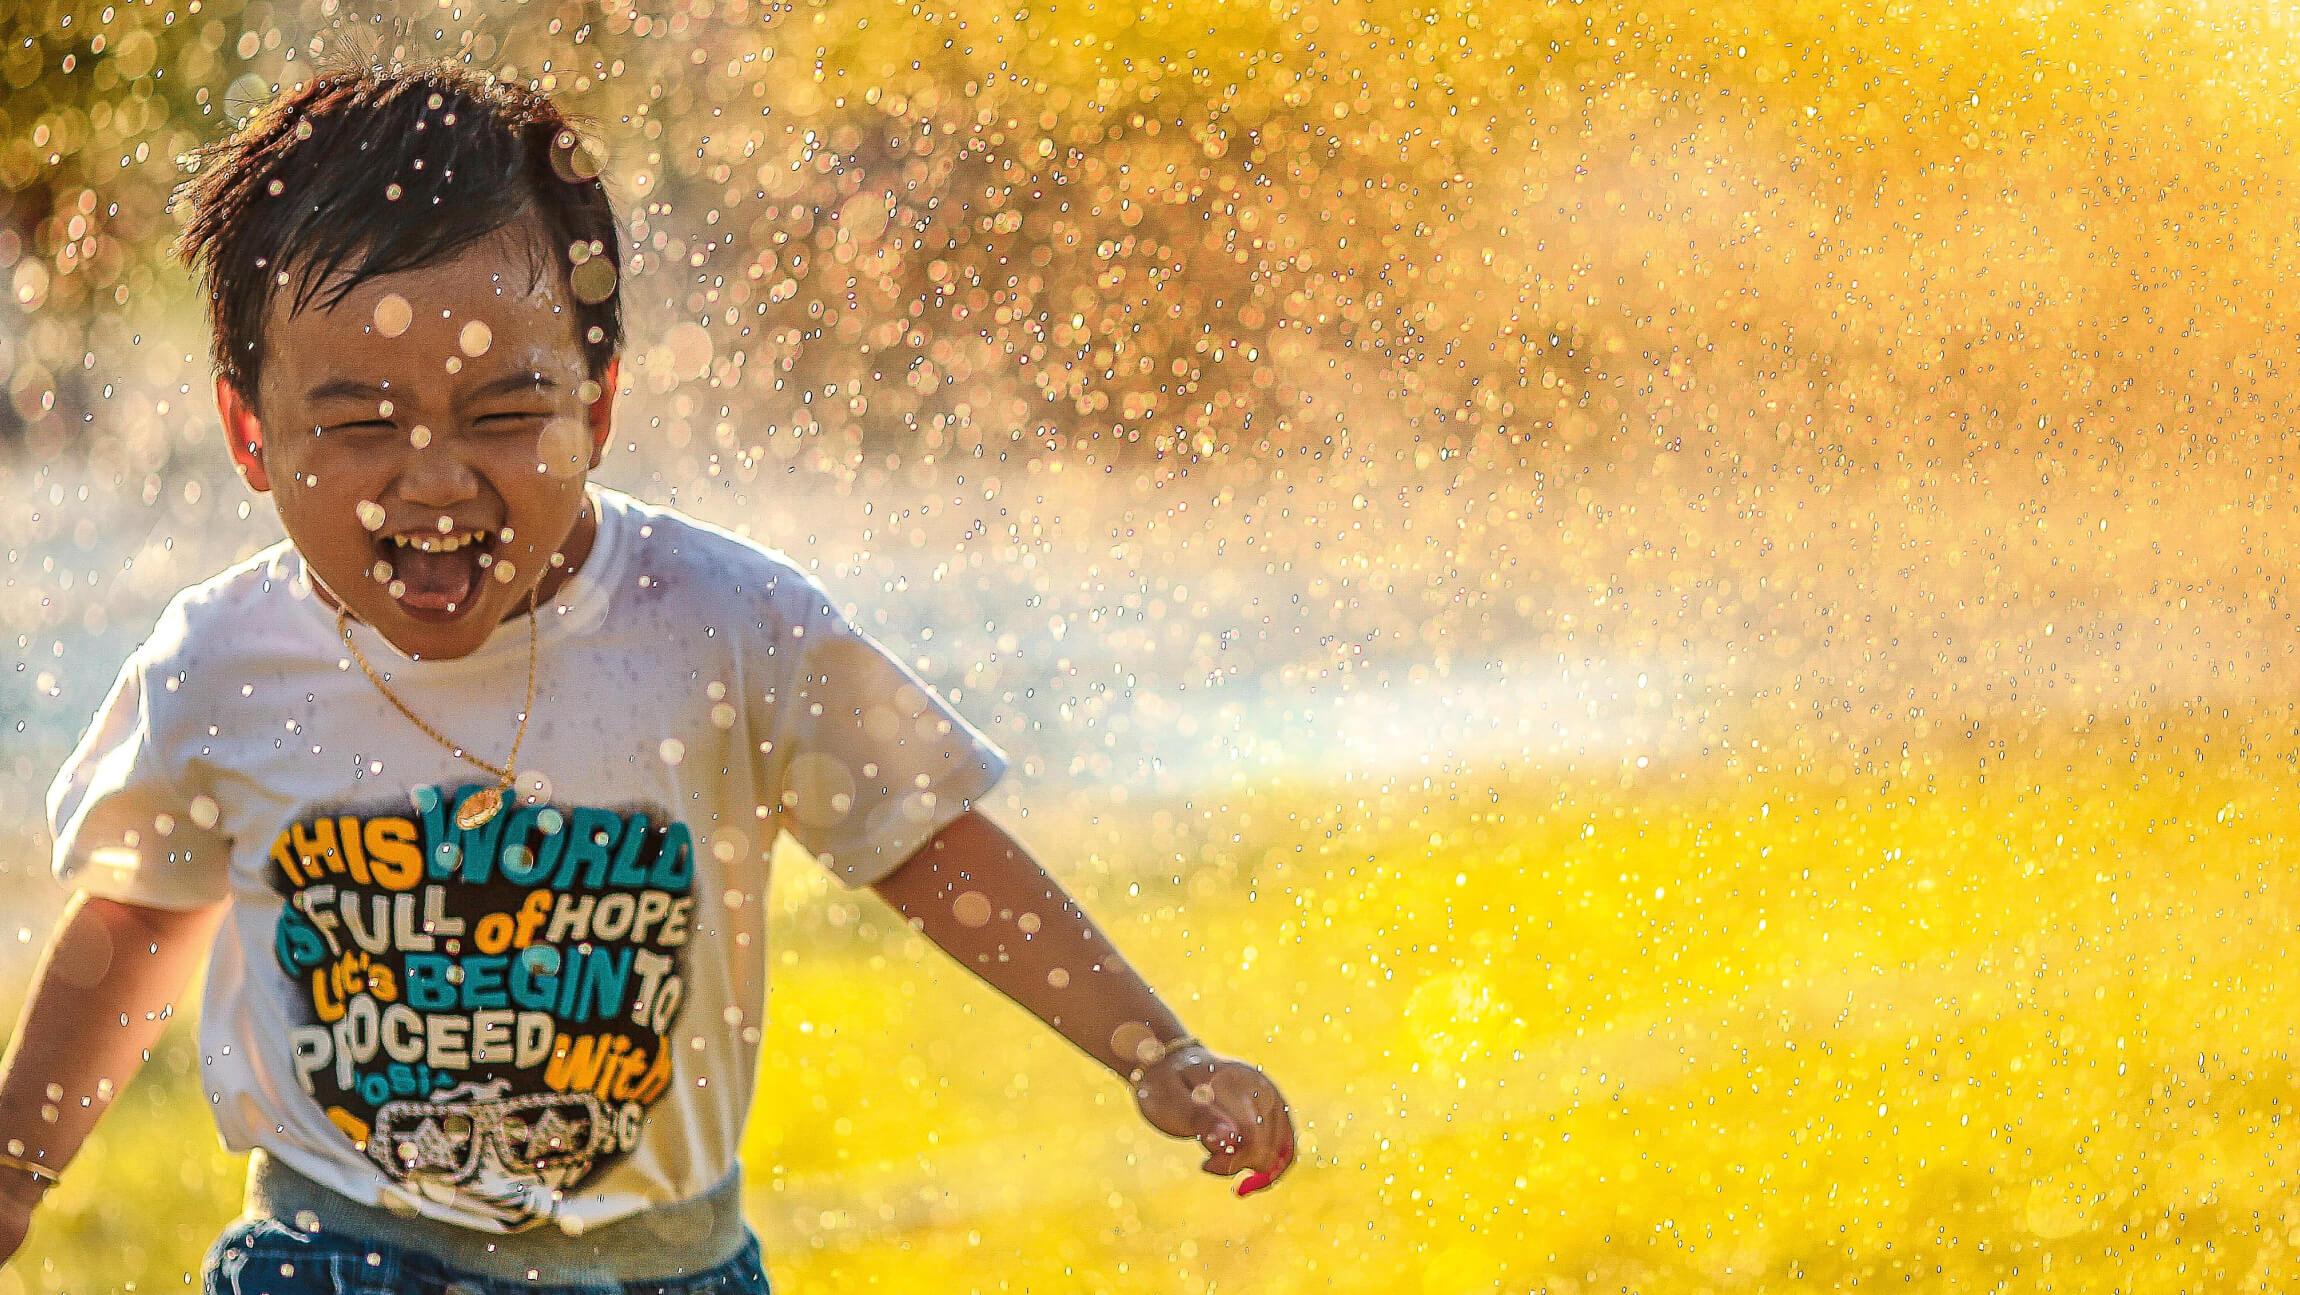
{"x":664,"y":1241}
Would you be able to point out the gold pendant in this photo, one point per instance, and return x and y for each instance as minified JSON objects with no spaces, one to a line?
{"x":478,"y":807}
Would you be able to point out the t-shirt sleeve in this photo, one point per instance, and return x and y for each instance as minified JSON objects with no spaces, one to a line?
{"x":125,"y":826}
{"x":867,"y":761}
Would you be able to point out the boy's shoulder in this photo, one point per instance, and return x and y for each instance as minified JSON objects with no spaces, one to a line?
{"x":664,"y":541}
{"x":242,"y":597}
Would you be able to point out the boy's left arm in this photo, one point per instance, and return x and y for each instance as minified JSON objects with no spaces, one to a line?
{"x":976,"y":892}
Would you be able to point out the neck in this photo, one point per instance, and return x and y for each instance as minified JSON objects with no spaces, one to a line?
{"x":576,"y":548}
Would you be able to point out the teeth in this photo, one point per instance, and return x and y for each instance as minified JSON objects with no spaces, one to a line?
{"x":429,"y":543}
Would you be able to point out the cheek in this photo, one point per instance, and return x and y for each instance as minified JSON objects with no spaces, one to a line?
{"x":330,"y":492}
{"x":563,"y":451}
{"x":339,"y":488}
{"x":537,"y":485}
{"x":306,"y":476}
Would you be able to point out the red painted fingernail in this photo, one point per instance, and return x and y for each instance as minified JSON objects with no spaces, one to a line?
{"x":1254,"y":1182}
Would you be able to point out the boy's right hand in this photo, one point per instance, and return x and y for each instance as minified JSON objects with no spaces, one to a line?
{"x":18,"y":1197}
{"x":103,"y":992}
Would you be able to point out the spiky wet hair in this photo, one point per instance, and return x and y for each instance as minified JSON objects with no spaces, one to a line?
{"x":363,"y":171}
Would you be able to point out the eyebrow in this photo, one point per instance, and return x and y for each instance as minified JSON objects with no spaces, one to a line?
{"x":346,"y":387}
{"x":353,"y":388}
{"x":511,"y":382}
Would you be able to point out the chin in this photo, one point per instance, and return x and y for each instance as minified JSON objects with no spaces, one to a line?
{"x":428,"y":633}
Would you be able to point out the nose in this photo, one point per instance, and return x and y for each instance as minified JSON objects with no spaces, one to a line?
{"x":436,"y":475}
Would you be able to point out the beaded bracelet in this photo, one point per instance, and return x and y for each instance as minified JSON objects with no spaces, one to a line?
{"x":40,"y":1173}
{"x":1167,"y":1049}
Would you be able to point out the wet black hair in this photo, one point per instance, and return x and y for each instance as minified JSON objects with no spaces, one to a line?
{"x":366,"y":170}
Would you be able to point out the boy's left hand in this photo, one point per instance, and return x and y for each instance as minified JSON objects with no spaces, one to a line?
{"x":1230,"y":1107}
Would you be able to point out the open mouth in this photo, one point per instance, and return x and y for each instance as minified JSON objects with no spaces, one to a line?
{"x":432,"y":574}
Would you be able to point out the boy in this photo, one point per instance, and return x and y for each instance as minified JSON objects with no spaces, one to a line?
{"x":473,"y":779}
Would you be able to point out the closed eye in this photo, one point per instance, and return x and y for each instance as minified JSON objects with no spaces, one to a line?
{"x":366,"y":425}
{"x":505,"y":419}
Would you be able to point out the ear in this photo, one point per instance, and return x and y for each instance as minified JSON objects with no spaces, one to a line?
{"x":601,"y":412}
{"x":243,"y":435}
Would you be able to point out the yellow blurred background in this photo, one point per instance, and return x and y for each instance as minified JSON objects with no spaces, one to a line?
{"x":1674,"y":613}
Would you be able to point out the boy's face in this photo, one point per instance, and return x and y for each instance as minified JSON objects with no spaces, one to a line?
{"x":427,"y":441}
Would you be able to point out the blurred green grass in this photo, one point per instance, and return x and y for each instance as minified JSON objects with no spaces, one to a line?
{"x":2012,"y":1013}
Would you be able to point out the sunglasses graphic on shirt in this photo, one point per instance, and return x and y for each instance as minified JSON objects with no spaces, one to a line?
{"x":537,"y":1133}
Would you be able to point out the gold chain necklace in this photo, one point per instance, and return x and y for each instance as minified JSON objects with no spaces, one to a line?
{"x":484,"y":804}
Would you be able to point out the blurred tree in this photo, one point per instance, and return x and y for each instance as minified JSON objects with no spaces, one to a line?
{"x":1161,"y":237}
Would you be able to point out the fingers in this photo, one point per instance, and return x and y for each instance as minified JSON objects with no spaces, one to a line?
{"x":1225,"y":1124}
{"x":1223,"y":1142}
{"x":1280,"y":1125}
{"x":1246,"y":1125}
{"x":1233,"y":1111}
{"x":1262,"y":1178}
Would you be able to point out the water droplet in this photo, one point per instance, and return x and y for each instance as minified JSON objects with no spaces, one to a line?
{"x":1133,"y":1039}
{"x":560,"y":451}
{"x":393,"y":315}
{"x":475,"y":338}
{"x":592,"y":282}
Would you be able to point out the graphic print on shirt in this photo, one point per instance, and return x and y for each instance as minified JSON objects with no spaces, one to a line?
{"x":488,"y":1009}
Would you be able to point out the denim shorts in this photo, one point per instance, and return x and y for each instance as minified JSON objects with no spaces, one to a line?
{"x":265,"y":1256}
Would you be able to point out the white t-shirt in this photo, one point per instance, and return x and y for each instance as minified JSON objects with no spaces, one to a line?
{"x":556,"y":1015}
